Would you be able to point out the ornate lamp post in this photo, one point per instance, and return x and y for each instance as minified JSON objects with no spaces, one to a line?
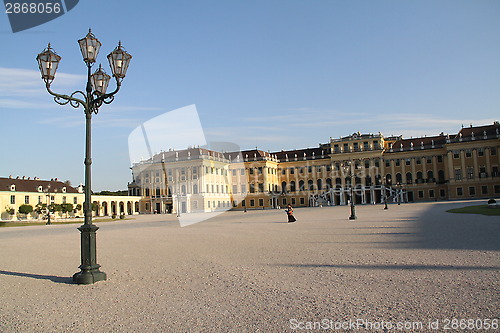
{"x":93,"y":97}
{"x":349,"y":169}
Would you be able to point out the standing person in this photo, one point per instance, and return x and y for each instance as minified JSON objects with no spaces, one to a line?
{"x":289,"y":212}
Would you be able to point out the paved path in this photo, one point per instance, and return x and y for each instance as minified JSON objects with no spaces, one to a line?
{"x":250,"y":272}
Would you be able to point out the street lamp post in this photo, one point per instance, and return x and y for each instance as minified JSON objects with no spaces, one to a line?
{"x":93,"y":98}
{"x":349,"y":169}
{"x":398,"y":186}
{"x":385,"y":194}
{"x":48,"y":205}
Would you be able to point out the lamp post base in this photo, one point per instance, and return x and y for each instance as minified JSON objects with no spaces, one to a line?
{"x":89,"y":273}
{"x":89,"y":276}
{"x":353,"y":213}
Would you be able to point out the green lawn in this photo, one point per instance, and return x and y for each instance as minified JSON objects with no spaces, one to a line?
{"x":23,"y":224}
{"x":479,"y":209}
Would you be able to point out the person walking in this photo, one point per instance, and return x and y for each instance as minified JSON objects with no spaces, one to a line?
{"x":289,"y":213}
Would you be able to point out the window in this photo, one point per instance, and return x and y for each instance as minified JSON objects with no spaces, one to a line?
{"x":12,"y":199}
{"x":284,"y":201}
{"x":460,"y":191}
{"x":346,"y":147}
{"x":252,"y":188}
{"x":429,"y":160}
{"x":387,"y":163}
{"x":302,"y":201}
{"x":494,"y":171}
{"x":283,"y":171}
{"x":442,"y":193}
{"x":468,"y":153}
{"x":420,"y":194}
{"x":472,"y":191}
{"x":27,"y":199}
{"x":292,"y":171}
{"x":456,"y":154}
{"x":367,"y":164}
{"x":293,"y":199}
{"x":261,"y":202}
{"x":243,"y":188}
{"x":235,"y":188}
{"x":497,"y":189}
{"x":75,"y":200}
{"x":309,"y":169}
{"x":470,"y":173}
{"x":252,"y":203}
{"x":377,"y":163}
{"x":260,"y":170}
{"x":365,"y":145}
{"x":480,"y":152}
{"x":242,"y":172}
{"x":484,"y":189}
{"x":243,"y":203}
{"x":418,"y":160}
{"x":431,"y":193}
{"x":398,"y":162}
{"x":408,"y":161}
{"x":261,"y":187}
{"x":208,"y":202}
{"x":458,"y":174}
{"x":493,"y":151}
{"x":234,"y":172}
{"x":336,"y":148}
{"x":64,"y":200}
{"x":40,"y":199}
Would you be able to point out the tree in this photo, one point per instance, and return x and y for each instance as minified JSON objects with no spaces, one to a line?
{"x":66,"y":208}
{"x":53,"y":207}
{"x":41,"y":208}
{"x":25,"y":209}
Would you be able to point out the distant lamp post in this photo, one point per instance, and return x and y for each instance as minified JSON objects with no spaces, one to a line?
{"x":47,"y":190}
{"x":93,"y":97}
{"x":349,"y":169}
{"x":385,"y":194}
{"x":399,"y":193}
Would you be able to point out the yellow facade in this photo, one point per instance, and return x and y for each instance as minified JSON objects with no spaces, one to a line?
{"x":19,"y":191}
{"x":366,"y":168}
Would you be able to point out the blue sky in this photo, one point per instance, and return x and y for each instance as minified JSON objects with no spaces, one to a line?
{"x":276,"y":74}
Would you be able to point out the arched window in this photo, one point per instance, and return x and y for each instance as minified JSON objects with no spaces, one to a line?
{"x":378,"y":179}
{"x":399,"y":178}
{"x":301,"y":185}
{"x":310,"y":185}
{"x":328,"y":183}
{"x":320,"y":184}
{"x":368,"y":181}
{"x":292,"y":186}
{"x":195,"y":189}
{"x":348,"y":180}
{"x":183,"y":189}
{"x":388,"y":179}
{"x":430,"y":176}
{"x":409,"y":178}
{"x":283,"y":187}
{"x":338,"y":181}
{"x":357,"y":180}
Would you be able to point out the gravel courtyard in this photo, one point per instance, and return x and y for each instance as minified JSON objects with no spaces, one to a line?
{"x":251,"y":272}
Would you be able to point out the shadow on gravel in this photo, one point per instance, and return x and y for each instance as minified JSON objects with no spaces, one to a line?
{"x":56,"y":279}
{"x":400,"y":267}
{"x":437,"y":229}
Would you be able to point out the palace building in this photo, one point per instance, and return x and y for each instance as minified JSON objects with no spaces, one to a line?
{"x":366,"y":168}
{"x":15,"y":192}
